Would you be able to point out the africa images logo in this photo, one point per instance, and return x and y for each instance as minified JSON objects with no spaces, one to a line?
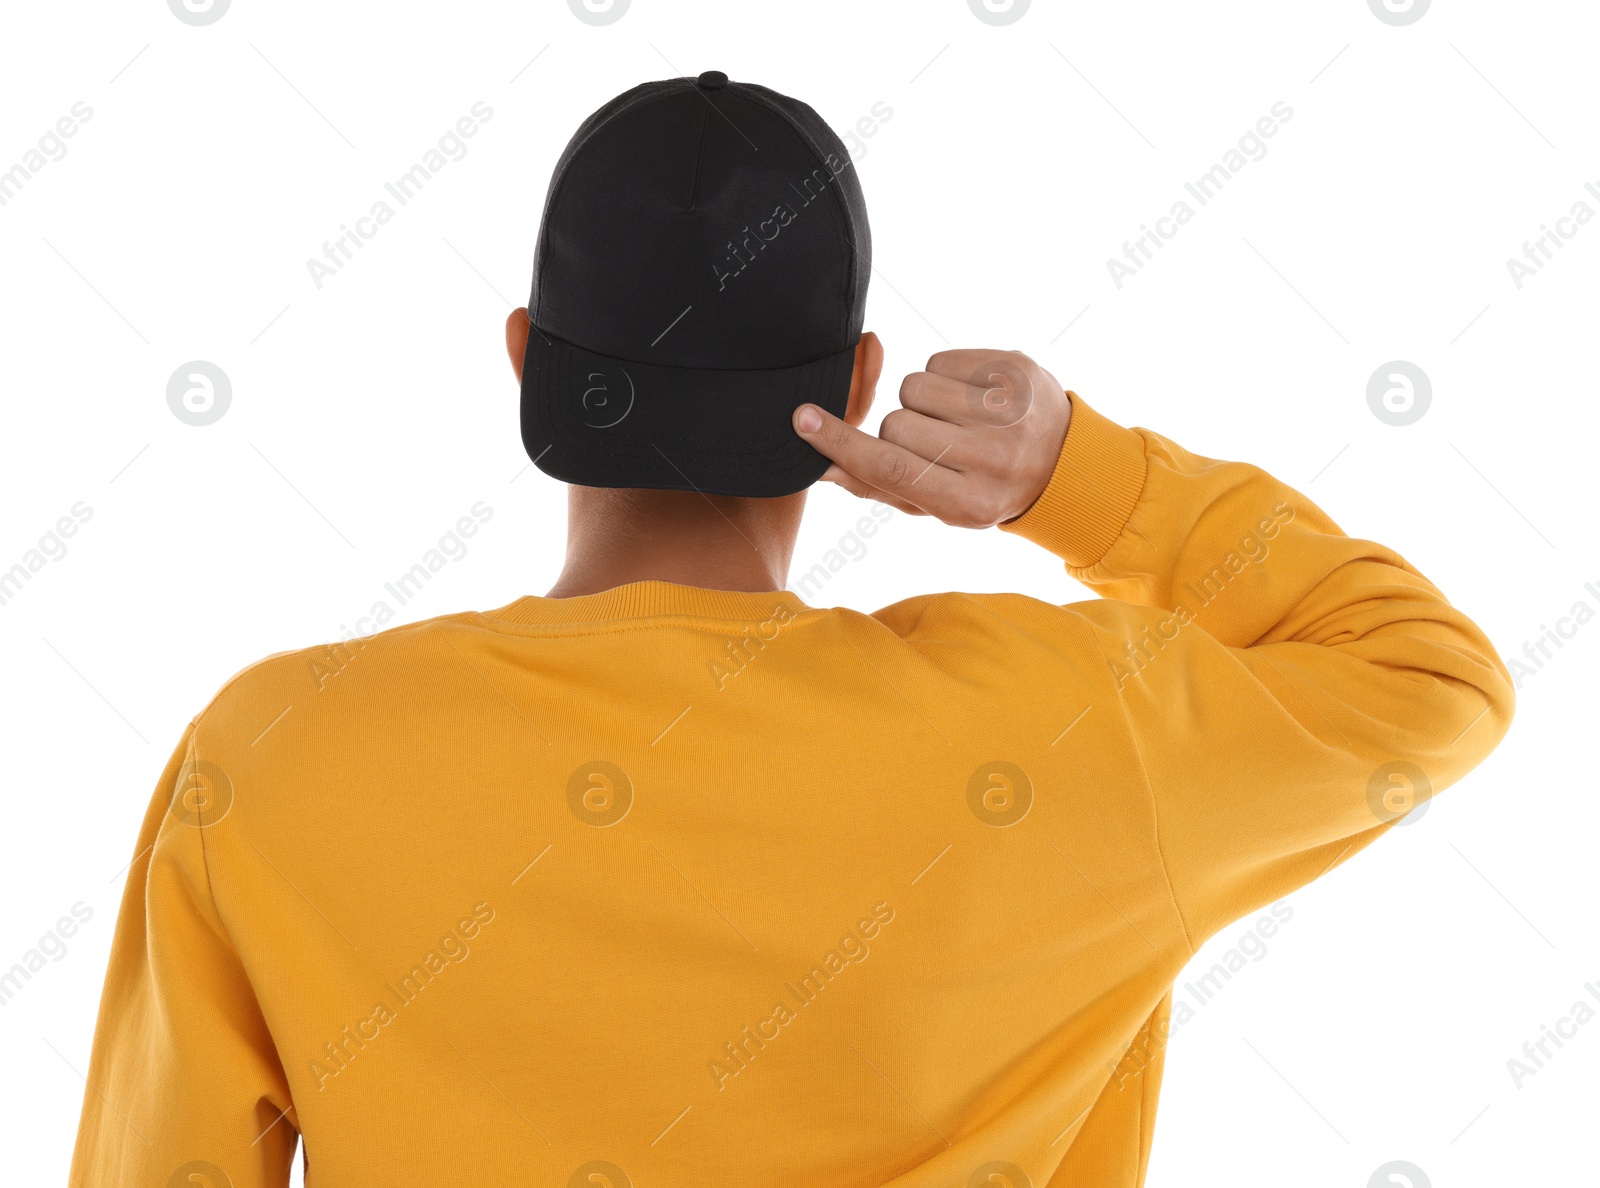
{"x":606,"y":398}
{"x":999,"y":12}
{"x":999,"y":1173}
{"x":1000,"y":392}
{"x":1399,"y":12}
{"x":199,"y":393}
{"x":599,"y":793}
{"x":1398,"y":792}
{"x":599,"y":12}
{"x":202,"y":794}
{"x":1399,"y":1173}
{"x":999,"y":793}
{"x":198,"y":1173}
{"x":1399,"y":393}
{"x":597,"y":1173}
{"x":199,"y":12}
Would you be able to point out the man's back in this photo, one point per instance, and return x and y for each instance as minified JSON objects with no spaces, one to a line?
{"x":691,"y":886}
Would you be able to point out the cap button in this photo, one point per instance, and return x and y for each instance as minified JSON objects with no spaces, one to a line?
{"x":712,"y":80}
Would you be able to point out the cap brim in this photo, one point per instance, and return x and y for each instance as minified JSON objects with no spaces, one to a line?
{"x":602,"y":422}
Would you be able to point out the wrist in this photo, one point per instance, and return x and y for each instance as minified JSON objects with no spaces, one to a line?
{"x":1092,"y":490}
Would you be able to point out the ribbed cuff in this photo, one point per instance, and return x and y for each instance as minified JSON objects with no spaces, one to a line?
{"x":1092,"y":492}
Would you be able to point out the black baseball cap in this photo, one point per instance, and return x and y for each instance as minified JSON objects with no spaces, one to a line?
{"x":701,"y":272}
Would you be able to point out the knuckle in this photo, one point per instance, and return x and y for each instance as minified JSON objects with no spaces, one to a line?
{"x":890,"y":469}
{"x":982,"y":510}
{"x":994,"y":455}
{"x":894,"y":425}
{"x":987,"y":449}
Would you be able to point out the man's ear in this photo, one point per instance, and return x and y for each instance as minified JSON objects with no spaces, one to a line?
{"x":517,"y":328}
{"x":863,"y":378}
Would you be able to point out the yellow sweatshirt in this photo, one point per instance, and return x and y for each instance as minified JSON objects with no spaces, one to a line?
{"x":668,"y":886}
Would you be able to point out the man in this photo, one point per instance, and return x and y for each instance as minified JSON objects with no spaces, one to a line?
{"x":669,"y":878}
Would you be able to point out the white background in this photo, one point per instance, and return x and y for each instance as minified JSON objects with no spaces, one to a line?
{"x":370,"y":414}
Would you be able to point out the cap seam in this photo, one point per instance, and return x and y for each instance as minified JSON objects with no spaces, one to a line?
{"x":839,"y":207}
{"x":699,"y":162}
{"x":551,"y":334}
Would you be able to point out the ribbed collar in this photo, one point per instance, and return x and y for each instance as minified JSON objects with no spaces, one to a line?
{"x":645,"y":600}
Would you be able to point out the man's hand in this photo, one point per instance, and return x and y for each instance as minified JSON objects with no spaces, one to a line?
{"x":974,"y":444}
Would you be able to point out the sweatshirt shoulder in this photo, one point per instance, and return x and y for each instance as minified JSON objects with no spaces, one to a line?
{"x":258,"y":695}
{"x":981,"y":616}
{"x":1001,"y":641}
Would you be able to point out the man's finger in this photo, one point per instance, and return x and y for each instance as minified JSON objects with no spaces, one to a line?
{"x":878,"y":463}
{"x":999,"y":384}
{"x":843,"y":478}
{"x":928,"y":437}
{"x":940,"y":396}
{"x":963,"y":364}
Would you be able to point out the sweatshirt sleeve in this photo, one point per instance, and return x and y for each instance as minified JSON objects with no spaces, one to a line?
{"x":1291,"y":691}
{"x":183,"y":1077}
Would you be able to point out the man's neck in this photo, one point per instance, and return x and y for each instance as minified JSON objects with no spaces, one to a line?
{"x":717,"y":542}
